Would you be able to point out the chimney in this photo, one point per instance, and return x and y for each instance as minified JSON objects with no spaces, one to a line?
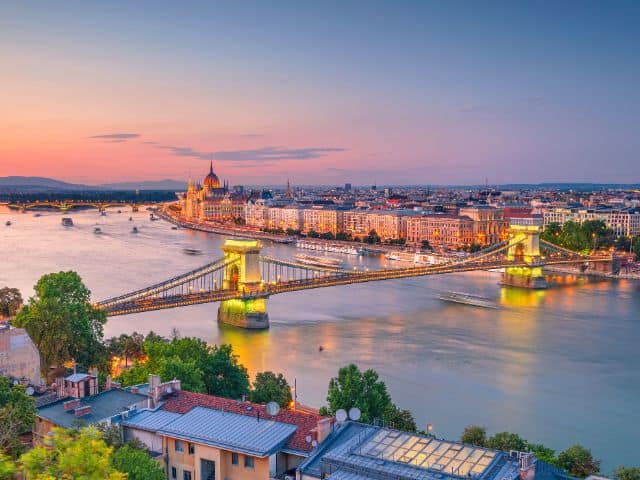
{"x":71,"y":404}
{"x":527,"y":466}
{"x":82,"y":411}
{"x":323,"y":429}
{"x":107,"y":383}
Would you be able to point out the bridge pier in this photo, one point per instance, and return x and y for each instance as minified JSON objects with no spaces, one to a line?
{"x":524,"y":247}
{"x":242,"y":273}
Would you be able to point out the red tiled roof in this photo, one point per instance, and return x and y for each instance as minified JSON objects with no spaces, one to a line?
{"x":306,"y":422}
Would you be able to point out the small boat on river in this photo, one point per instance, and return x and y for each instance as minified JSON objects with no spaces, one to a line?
{"x":468,"y":299}
{"x":191,"y":251}
{"x":134,"y":230}
{"x":67,"y":222}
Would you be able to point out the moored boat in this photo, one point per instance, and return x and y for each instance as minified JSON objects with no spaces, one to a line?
{"x":327,"y":262}
{"x":67,"y":221}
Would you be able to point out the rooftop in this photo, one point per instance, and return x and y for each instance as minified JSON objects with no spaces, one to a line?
{"x":230,"y":431}
{"x":183,"y":402}
{"x":381,"y":453}
{"x":103,"y":405}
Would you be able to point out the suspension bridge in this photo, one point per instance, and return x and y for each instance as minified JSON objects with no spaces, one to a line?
{"x":65,"y":206}
{"x":243,"y":279}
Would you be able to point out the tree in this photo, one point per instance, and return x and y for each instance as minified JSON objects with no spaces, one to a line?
{"x":344,"y":236}
{"x":372,"y":238}
{"x":426,"y":245}
{"x":62,"y":321}
{"x":312,"y":234}
{"x":10,"y":301}
{"x":17,"y":414}
{"x":578,"y":461}
{"x":623,"y":473}
{"x":7,"y":468}
{"x":474,"y":435}
{"x":190,"y":376}
{"x":399,"y":419}
{"x":137,"y":464}
{"x":507,"y":441}
{"x":543,"y":453}
{"x":269,"y":387}
{"x":327,"y":236}
{"x":72,"y":454}
{"x":224,"y":375}
{"x":635,"y":246}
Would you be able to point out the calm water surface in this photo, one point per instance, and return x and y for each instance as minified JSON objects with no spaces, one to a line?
{"x":558,"y":367}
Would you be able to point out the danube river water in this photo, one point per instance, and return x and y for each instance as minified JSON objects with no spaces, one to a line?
{"x":559,"y":367}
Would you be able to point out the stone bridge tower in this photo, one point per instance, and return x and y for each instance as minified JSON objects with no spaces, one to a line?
{"x":524,"y":247}
{"x":243,"y":275}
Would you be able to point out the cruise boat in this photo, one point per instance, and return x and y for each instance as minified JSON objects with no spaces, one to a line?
{"x":468,"y":299}
{"x":326,"y":262}
{"x":67,"y":222}
{"x":191,"y":251}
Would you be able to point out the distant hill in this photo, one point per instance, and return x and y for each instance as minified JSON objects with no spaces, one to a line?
{"x":40,"y":184}
{"x":18,"y":184}
{"x":166,"y":184}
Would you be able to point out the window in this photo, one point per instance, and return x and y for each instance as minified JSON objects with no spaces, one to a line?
{"x":186,"y":475}
{"x":192,"y":448}
{"x":248,"y":462}
{"x":234,"y":458}
{"x":174,"y":473}
{"x":179,"y":447}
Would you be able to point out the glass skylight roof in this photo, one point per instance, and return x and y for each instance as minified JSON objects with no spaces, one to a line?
{"x":429,"y":453}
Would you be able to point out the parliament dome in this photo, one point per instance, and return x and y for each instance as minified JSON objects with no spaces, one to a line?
{"x":211,"y":180}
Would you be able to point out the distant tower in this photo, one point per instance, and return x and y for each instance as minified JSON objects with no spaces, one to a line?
{"x":289,"y":191}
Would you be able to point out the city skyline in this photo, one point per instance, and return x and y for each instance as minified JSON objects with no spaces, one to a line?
{"x":434,"y":93}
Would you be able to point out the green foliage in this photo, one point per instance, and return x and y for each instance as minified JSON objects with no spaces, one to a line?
{"x":621,"y":473}
{"x":327,"y":236}
{"x":62,"y":321}
{"x":191,"y":377}
{"x":372,"y":238}
{"x":10,"y":301}
{"x":129,"y":347}
{"x":474,"y":435}
{"x":200,"y":368}
{"x":635,"y":246}
{"x":343,"y":236}
{"x":364,"y":390}
{"x":579,"y":236}
{"x":507,"y":441}
{"x":269,"y":387}
{"x":78,"y":454}
{"x":426,"y":245}
{"x":137,"y":464}
{"x":578,"y":461}
{"x":17,"y":414}
{"x":291,"y":232}
{"x":543,"y":453}
{"x":313,"y":234}
{"x":7,"y":467}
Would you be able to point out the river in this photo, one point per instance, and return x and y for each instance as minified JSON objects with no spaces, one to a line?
{"x":558,"y":366}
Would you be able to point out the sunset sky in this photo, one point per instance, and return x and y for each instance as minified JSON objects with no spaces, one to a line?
{"x":321,"y":92}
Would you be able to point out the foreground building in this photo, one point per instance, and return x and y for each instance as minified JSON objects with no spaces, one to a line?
{"x":19,"y":357}
{"x":198,"y":436}
{"x":355,"y":451}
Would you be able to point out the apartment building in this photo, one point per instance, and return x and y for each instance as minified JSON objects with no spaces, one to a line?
{"x":322,"y":220}
{"x":623,"y":222}
{"x":440,"y":230}
{"x":489,"y":224}
{"x":284,"y":217}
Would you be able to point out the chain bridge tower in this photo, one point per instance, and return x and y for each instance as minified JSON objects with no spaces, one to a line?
{"x":524,"y":248}
{"x":242,"y":273}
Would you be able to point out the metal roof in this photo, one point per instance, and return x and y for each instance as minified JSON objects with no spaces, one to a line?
{"x":342,"y":475}
{"x":103,"y":406}
{"x":77,"y":377}
{"x":150,"y":420}
{"x":230,"y":431}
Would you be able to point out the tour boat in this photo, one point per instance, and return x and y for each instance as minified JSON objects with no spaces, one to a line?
{"x":326,"y":262}
{"x":191,"y":251}
{"x":67,"y":222}
{"x":468,"y":299}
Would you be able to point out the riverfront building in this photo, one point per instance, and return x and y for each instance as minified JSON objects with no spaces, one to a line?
{"x":439,"y":229}
{"x":212,"y":201}
{"x":623,"y":222}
